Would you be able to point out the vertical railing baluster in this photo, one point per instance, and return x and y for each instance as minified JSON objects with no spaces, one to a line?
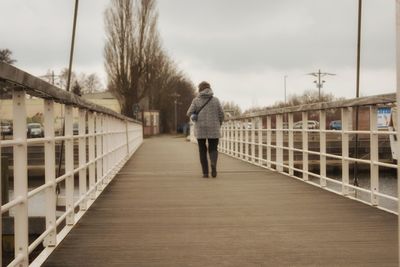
{"x":1,"y":214}
{"x":236,"y":125}
{"x":229,"y":138}
{"x":322,"y":147}
{"x":111,"y":136}
{"x":92,"y":170}
{"x":241,"y":143}
{"x":106,"y":149}
{"x":69,"y":165}
{"x":253,"y":140}
{"x":246,"y":139}
{"x":269,"y":134}
{"x":374,"y":148}
{"x":82,"y":157}
{"x":20,"y":177}
{"x":99,"y":149}
{"x":304,"y":133}
{"x":345,"y":150}
{"x":279,"y":142}
{"x":126,"y":124}
{"x":223,"y":134}
{"x":233,"y":138}
{"x":50,"y":172}
{"x":291,"y":144}
{"x":260,"y":140}
{"x":226,"y":137}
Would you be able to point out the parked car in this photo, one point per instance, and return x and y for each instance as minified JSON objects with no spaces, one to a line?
{"x":6,"y":128}
{"x":75,"y":128}
{"x":310,"y":125}
{"x":335,"y":125}
{"x":35,"y":130}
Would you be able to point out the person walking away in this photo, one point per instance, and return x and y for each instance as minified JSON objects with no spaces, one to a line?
{"x":207,"y":114}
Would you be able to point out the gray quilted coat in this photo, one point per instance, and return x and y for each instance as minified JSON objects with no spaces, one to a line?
{"x":210,"y":118}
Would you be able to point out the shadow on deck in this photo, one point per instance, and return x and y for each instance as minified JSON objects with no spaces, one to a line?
{"x":159,"y":212}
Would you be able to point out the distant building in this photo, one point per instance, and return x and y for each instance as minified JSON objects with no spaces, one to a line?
{"x":105,"y":99}
{"x":151,"y":118}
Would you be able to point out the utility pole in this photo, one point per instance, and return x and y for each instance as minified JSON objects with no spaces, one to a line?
{"x":319,"y":83}
{"x":71,"y":54}
{"x":357,"y":86}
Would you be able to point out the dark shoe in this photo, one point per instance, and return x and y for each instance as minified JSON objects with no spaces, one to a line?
{"x":213,"y":171}
{"x":205,"y":175}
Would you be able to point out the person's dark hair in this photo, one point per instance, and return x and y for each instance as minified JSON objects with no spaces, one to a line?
{"x":203,"y":85}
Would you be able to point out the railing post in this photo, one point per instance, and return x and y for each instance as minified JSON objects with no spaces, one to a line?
{"x":322,"y":147}
{"x":92,"y":170}
{"x":20,"y":177}
{"x":69,"y":165}
{"x":241,"y":143}
{"x":106,"y":155}
{"x":82,"y":157}
{"x":223,"y":144}
{"x":50,"y":173}
{"x":398,"y":115}
{"x":1,"y":214}
{"x":291,"y":144}
{"x":260,"y":140}
{"x":236,"y":124}
{"x":374,"y":155}
{"x":106,"y":148}
{"x":246,"y":140}
{"x":304,"y":132}
{"x":279,"y":142}
{"x":269,"y":142}
{"x":253,"y":140}
{"x":346,"y":117}
{"x":99,"y":149}
{"x":127,"y":137}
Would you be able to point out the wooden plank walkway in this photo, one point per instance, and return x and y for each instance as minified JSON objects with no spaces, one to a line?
{"x":159,"y":212}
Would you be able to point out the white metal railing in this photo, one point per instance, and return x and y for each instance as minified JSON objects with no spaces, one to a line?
{"x":269,"y":139}
{"x":105,"y":141}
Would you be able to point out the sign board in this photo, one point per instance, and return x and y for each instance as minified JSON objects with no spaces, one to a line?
{"x":384,"y":116}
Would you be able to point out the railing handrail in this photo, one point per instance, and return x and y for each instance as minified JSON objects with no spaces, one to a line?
{"x":354,"y":102}
{"x":104,"y":142}
{"x":42,"y":89}
{"x":270,"y":140}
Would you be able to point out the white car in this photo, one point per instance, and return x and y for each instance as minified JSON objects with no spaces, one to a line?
{"x":310,"y":125}
{"x":35,"y":130}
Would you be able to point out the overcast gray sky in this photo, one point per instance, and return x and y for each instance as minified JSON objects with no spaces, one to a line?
{"x":243,"y":48}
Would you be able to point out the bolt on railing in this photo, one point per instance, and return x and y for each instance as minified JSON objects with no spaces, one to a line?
{"x":105,"y":140}
{"x":319,"y":154}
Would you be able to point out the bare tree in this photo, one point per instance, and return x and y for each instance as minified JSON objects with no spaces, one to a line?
{"x":63,"y":77}
{"x":77,"y":89}
{"x":6,"y":56}
{"x":90,"y":83}
{"x":131,"y":31}
{"x":231,"y":108}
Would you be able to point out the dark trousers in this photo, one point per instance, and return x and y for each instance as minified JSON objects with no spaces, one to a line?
{"x":212,"y":151}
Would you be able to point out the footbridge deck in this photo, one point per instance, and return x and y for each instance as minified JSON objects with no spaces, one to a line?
{"x":158,"y":211}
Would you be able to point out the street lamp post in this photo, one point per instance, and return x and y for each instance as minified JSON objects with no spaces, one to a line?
{"x":319,"y":83}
